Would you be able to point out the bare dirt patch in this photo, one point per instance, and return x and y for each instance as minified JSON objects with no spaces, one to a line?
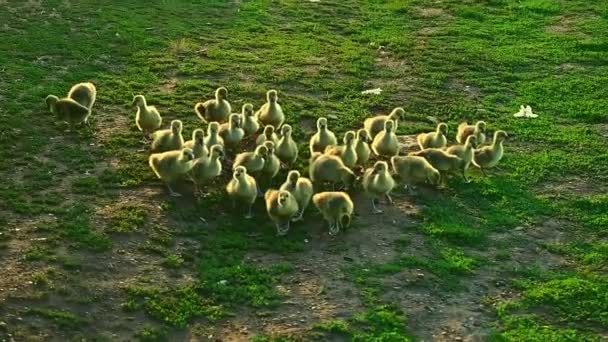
{"x":572,"y":185}
{"x":465,"y":90}
{"x":566,"y":25}
{"x":432,"y":12}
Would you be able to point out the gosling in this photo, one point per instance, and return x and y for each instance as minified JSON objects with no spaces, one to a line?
{"x":375,"y":125}
{"x":464,"y":130}
{"x":68,"y":110}
{"x":84,"y":93}
{"x":286,"y":147}
{"x":377,"y":182}
{"x":271,"y":112}
{"x":205,"y":169}
{"x":385,"y":143}
{"x":147,"y":118}
{"x":440,"y":160}
{"x":217,"y":109}
{"x":252,"y":161}
{"x":435,"y":139}
{"x":465,"y":153}
{"x":213,"y":135}
{"x":267,"y":134}
{"x":281,"y":207}
{"x":327,"y":168}
{"x":249,"y":122}
{"x":362,"y":147}
{"x":242,"y":188}
{"x":197,"y":144}
{"x":168,"y":139}
{"x":346,"y":152}
{"x":323,"y":138}
{"x":489,"y":156}
{"x":231,"y":132}
{"x":170,"y":166}
{"x":414,"y":170}
{"x":272,"y":165}
{"x":337,"y":209}
{"x":301,"y":188}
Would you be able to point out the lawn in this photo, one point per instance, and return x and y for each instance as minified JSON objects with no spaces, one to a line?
{"x":93,"y":248}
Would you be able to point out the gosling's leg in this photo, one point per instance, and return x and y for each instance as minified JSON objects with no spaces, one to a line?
{"x":249,"y":213}
{"x":389,"y":198}
{"x":300,"y":216}
{"x":375,"y":210}
{"x":172,"y":193}
{"x":464,"y":176}
{"x":260,"y":193}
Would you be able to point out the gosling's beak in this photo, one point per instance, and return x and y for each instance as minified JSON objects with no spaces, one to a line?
{"x":191,"y":155}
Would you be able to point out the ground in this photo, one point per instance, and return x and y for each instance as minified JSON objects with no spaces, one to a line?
{"x":93,"y":248}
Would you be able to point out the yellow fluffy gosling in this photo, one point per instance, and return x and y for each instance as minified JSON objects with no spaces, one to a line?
{"x":286,"y":148}
{"x":267,"y":134}
{"x":465,"y":153}
{"x":328,"y":168}
{"x":242,"y":188}
{"x":347,"y":152}
{"x":385,"y":143}
{"x":414,"y":170}
{"x":147,"y":118}
{"x":168,"y":139}
{"x":84,"y":93}
{"x":271,"y":168}
{"x":217,"y":109}
{"x":489,"y":156}
{"x":271,"y":112}
{"x":323,"y":138}
{"x":464,"y":130}
{"x":435,"y":139}
{"x":213,"y":135}
{"x":205,"y":169}
{"x":197,"y":144}
{"x":375,"y":125}
{"x":337,"y":209}
{"x":68,"y":110}
{"x":281,"y":207}
{"x":440,"y":160}
{"x":231,"y":131}
{"x":171,"y":165}
{"x":378,"y":182}
{"x":362,"y":147}
{"x":301,"y":188}
{"x":249,"y":122}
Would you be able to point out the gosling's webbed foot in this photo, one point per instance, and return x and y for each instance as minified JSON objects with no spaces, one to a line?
{"x":282,"y":230}
{"x":333,"y":230}
{"x":297,"y":218}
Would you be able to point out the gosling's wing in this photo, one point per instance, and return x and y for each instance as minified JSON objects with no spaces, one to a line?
{"x":71,"y":110}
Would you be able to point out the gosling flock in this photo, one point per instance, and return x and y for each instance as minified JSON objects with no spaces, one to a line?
{"x":363,"y":157}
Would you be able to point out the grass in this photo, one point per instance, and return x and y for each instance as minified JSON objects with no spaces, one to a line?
{"x":66,"y":199}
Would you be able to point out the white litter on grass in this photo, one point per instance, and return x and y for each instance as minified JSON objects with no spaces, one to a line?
{"x":525,"y":112}
{"x":375,"y":91}
{"x":433,"y":119}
